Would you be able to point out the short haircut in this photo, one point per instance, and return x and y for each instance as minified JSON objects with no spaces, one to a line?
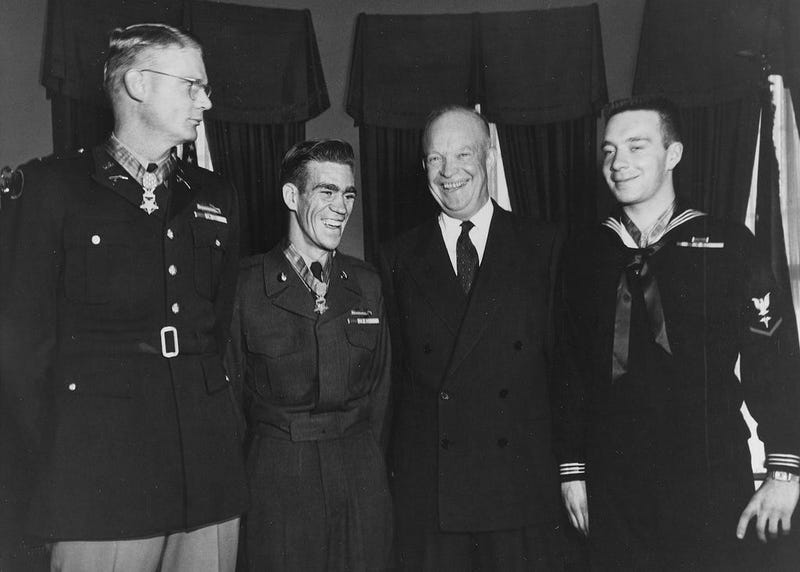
{"x":293,"y":166}
{"x":125,"y":45}
{"x":668,"y":113}
{"x":454,"y":108}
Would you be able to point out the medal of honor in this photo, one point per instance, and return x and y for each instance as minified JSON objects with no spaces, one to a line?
{"x":320,"y":289}
{"x":149,"y":184}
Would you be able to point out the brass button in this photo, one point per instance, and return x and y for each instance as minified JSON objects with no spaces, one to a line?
{"x":173,"y":270}
{"x":170,"y":234}
{"x":96,"y":239}
{"x":176,"y":308}
{"x":72,"y":386}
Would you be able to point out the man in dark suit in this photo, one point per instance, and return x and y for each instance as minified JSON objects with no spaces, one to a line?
{"x":468,"y":295}
{"x":115,"y":314}
{"x":310,"y":357}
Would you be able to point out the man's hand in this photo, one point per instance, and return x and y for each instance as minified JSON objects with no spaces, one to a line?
{"x":574,"y":495}
{"x":772,"y":505}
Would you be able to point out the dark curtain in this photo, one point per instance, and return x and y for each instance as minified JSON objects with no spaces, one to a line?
{"x":395,"y":193}
{"x":551,"y":170}
{"x":78,"y":124}
{"x":268,"y":81}
{"x":707,"y":57}
{"x":536,"y":73}
{"x":719,"y":145}
{"x":250,"y":156}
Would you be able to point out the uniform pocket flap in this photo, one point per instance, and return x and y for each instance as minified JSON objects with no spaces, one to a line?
{"x":363,"y":335}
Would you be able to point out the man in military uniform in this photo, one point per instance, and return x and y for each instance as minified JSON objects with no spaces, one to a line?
{"x":311,"y":358}
{"x":114,"y":320}
{"x":656,"y":305}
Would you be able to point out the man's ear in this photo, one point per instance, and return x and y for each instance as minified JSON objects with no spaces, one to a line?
{"x":674,"y":154}
{"x":491,"y":158}
{"x":134,"y":83}
{"x":290,"y":194}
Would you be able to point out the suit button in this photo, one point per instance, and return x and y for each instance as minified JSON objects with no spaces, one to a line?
{"x":502,"y":442}
{"x":173,"y":270}
{"x":445,"y":443}
{"x":95,"y":239}
{"x":72,"y":386}
{"x":170,"y":234}
{"x":217,"y":242}
{"x":503,"y":393}
{"x":518,"y":345}
{"x":444,"y":396}
{"x":427,"y":349}
{"x":176,"y":308}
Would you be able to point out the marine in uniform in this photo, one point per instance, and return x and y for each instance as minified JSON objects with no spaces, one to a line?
{"x":656,"y":304}
{"x":115,"y":319}
{"x":311,"y":359}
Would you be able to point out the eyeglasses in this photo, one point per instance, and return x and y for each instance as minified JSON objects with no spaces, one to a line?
{"x":195,"y":85}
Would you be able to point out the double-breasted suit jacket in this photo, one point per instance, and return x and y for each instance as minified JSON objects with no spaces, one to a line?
{"x":315,"y":389}
{"x":470,"y":448}
{"x":98,"y":292}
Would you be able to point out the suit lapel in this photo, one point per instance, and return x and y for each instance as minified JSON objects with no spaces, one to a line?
{"x":430,"y":267}
{"x":497,"y":271}
{"x":283,"y":286}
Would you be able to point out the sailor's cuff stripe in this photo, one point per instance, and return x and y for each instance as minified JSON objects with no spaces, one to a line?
{"x":790,"y":462}
{"x":571,"y":469}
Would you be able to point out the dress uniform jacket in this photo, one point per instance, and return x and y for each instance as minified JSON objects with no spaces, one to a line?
{"x":471,"y":443}
{"x":138,"y":443}
{"x":316,"y":389}
{"x":665,"y":446}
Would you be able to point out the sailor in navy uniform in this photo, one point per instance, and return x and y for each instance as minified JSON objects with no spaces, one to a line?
{"x":656,"y":304}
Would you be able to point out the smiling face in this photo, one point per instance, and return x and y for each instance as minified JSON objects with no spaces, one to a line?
{"x":457,"y":161}
{"x":637,"y":165}
{"x":320,"y":212}
{"x":168,"y":115}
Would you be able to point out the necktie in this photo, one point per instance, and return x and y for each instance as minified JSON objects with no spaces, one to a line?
{"x":466,"y":257}
{"x":316,"y":270}
{"x":638,"y":270}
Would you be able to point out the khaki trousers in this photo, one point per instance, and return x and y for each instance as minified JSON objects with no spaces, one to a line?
{"x":208,"y":549}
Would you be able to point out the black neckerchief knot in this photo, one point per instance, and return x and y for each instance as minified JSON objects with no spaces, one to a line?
{"x":637,"y":270}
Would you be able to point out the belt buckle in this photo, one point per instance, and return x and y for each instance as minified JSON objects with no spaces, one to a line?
{"x":173,"y":332}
